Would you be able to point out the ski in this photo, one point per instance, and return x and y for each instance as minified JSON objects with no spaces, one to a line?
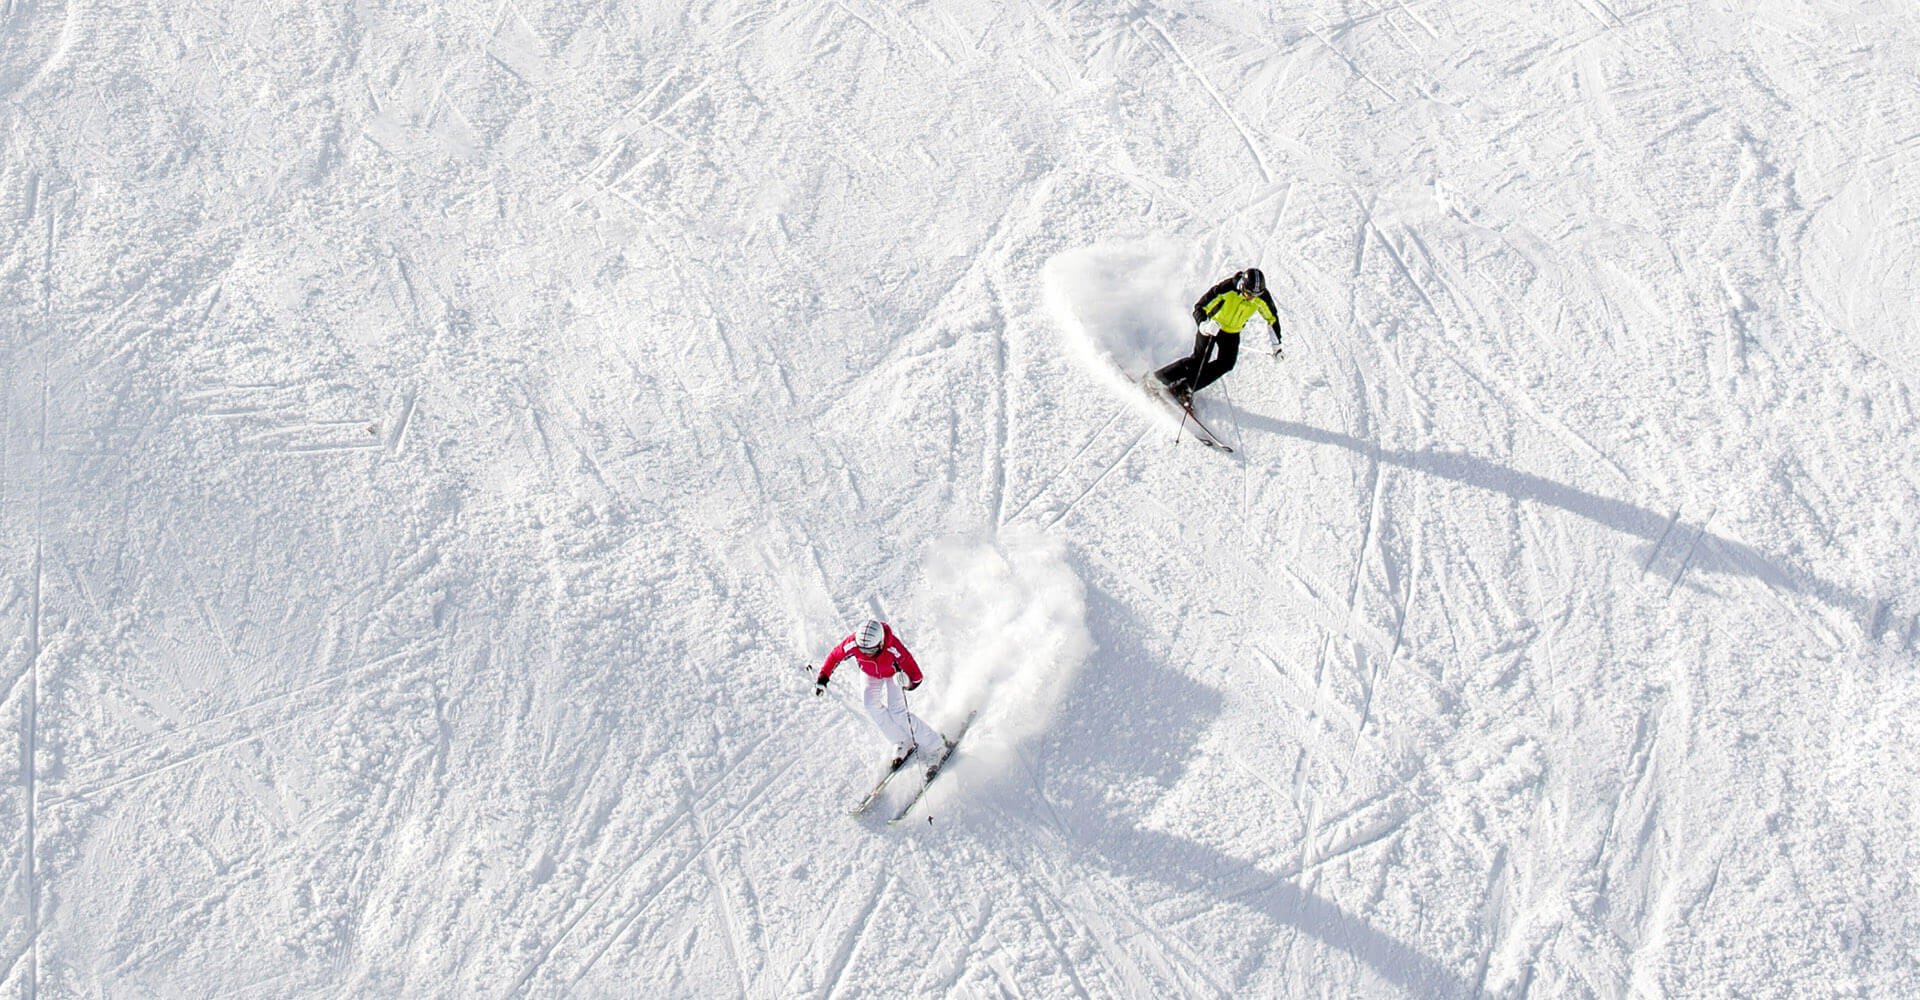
{"x":1193,"y":425}
{"x":933,"y":770}
{"x":879,"y":786}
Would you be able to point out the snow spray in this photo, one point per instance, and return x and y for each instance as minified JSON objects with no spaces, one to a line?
{"x":1122,"y":309}
{"x":1005,"y":620}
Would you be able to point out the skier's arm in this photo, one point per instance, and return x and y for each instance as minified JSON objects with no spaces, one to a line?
{"x":833,"y":660}
{"x":1271,"y":313}
{"x":906,"y":663}
{"x":1210,"y":302}
{"x":1263,"y":303}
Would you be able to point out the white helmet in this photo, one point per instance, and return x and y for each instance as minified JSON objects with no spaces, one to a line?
{"x":870,"y":635}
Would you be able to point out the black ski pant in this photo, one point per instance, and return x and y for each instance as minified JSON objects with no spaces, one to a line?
{"x":1212,"y":357}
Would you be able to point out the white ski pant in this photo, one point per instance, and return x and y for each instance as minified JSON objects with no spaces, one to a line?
{"x":888,"y":706}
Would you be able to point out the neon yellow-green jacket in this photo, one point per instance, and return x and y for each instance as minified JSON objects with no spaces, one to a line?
{"x":1231,"y":309}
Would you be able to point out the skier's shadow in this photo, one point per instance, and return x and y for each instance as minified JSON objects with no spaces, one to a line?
{"x":1128,"y":732}
{"x":1185,"y":864}
{"x":1709,"y":552}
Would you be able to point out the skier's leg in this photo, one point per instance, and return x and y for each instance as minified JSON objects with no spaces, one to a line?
{"x":1175,"y":373}
{"x":881,"y":697}
{"x":1184,"y":369}
{"x":924,"y":734}
{"x":913,"y":728}
{"x":1222,"y":363}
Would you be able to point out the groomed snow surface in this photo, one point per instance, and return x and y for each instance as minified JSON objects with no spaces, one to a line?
{"x":441,"y":440}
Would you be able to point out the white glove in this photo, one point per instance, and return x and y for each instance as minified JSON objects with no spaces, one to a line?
{"x":1210,"y":329}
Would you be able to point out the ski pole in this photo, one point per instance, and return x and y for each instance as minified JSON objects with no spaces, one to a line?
{"x":912,"y":736}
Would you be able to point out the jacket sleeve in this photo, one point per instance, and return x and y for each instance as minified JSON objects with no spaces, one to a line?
{"x":1210,"y":302}
{"x":906,"y":659}
{"x":833,"y":660}
{"x":1268,"y":311}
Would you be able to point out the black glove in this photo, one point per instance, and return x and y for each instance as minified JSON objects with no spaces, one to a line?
{"x":912,"y":684}
{"x":819,"y":685}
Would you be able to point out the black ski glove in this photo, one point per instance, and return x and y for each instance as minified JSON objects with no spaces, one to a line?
{"x":912,"y":684}
{"x":819,"y":685}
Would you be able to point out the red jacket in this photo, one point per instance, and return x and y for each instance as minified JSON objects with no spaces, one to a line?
{"x":893,"y":656}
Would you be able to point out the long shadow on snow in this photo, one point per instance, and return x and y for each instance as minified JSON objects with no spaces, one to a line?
{"x":1185,"y":864}
{"x":1711,"y":552}
{"x":1127,"y":732}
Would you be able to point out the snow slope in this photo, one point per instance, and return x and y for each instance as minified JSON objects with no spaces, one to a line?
{"x":439,"y":440}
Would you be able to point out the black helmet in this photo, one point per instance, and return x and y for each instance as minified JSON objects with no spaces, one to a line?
{"x":1251,"y":282}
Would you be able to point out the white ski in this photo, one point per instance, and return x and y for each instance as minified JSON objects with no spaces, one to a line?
{"x":933,"y":770}
{"x":878,"y":787}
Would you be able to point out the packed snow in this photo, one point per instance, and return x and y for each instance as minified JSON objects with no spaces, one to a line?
{"x":440,"y":442}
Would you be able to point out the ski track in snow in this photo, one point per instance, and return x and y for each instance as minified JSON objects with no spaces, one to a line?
{"x":437,"y":446}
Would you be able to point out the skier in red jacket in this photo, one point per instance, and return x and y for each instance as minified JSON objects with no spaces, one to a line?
{"x":881,"y":654}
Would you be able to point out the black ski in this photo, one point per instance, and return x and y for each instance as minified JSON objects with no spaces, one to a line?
{"x":1193,"y":424}
{"x":933,"y":770}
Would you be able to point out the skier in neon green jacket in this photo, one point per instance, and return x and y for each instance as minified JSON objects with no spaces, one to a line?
{"x":1220,"y":315}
